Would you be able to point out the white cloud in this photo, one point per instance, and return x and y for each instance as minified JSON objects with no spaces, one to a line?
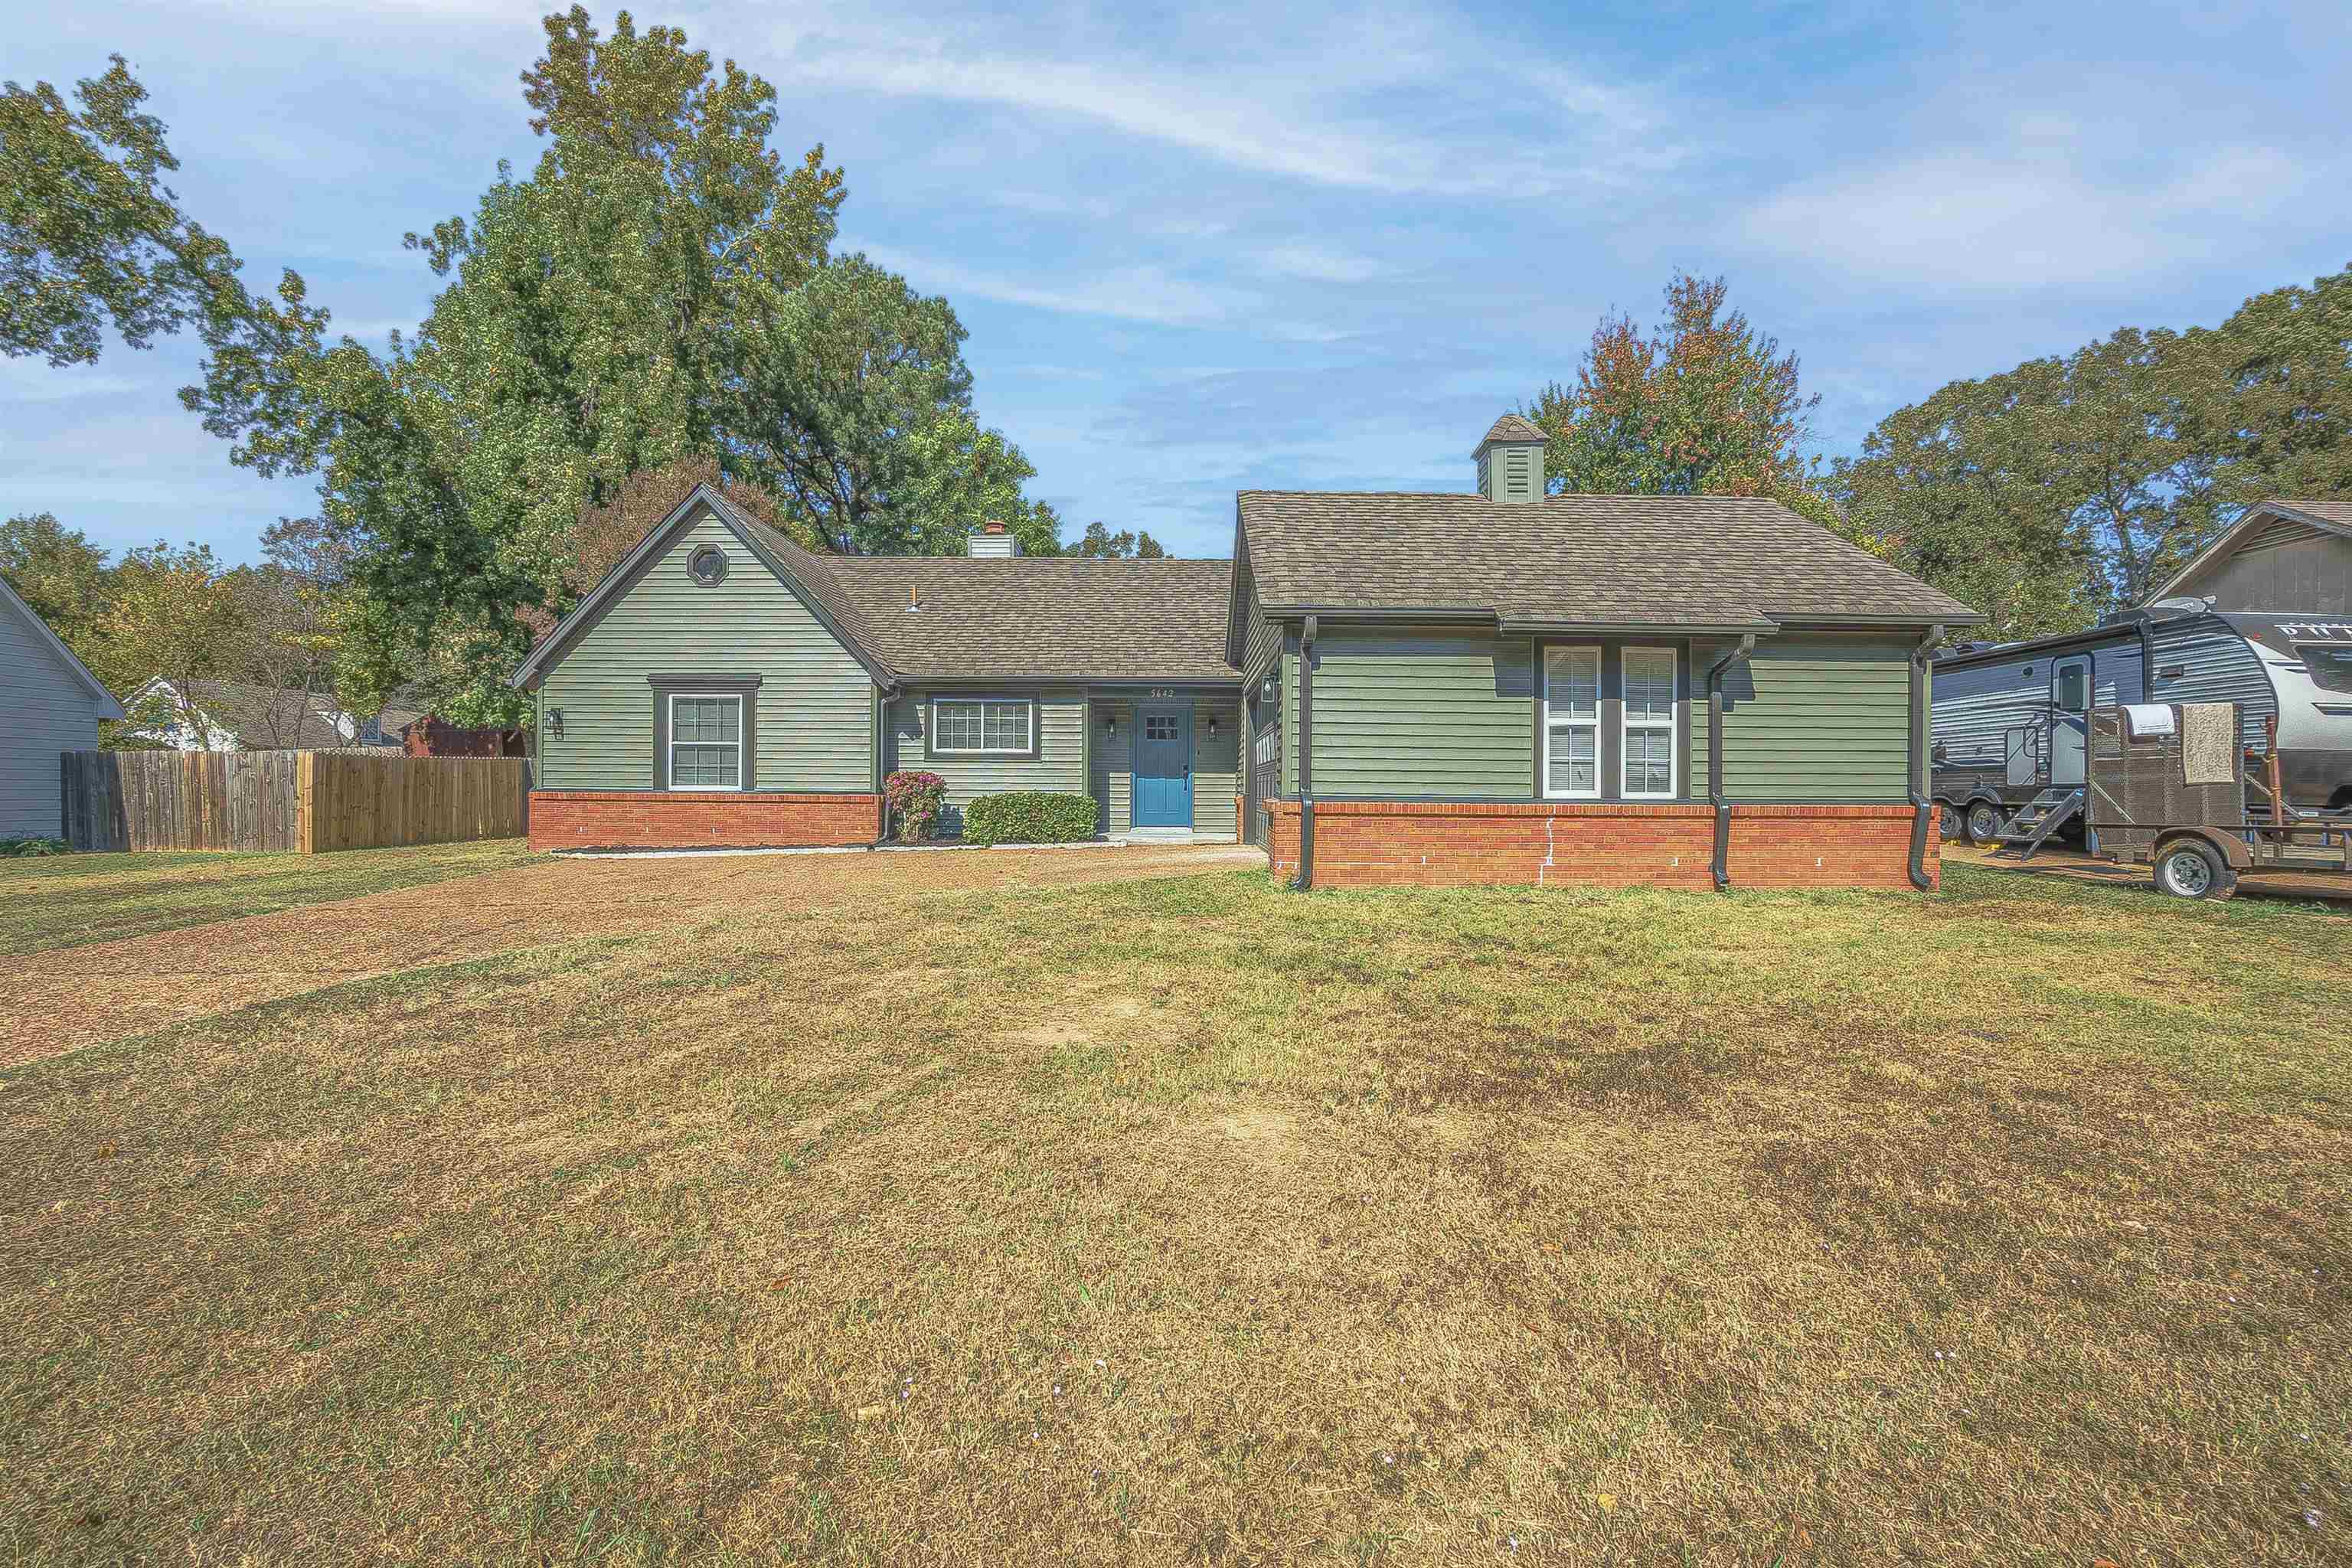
{"x":2015,"y":216}
{"x":1321,"y":263}
{"x":34,"y":381}
{"x":1329,"y":107}
{"x":1148,"y":294}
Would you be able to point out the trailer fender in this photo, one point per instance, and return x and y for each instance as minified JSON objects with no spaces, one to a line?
{"x":2231,"y":850}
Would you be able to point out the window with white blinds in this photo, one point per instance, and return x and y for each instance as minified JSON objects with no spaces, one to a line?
{"x":1649,"y":724}
{"x":1572,"y":723}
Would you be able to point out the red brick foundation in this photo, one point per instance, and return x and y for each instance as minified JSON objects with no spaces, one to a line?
{"x":658,"y":819}
{"x":1390,"y":844}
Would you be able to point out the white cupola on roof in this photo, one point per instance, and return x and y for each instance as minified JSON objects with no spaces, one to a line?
{"x":993,"y":539}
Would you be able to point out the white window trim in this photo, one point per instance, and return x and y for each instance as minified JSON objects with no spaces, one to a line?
{"x":669,"y":763}
{"x":1592,"y":723}
{"x":1028,"y":726}
{"x":1627,"y":724}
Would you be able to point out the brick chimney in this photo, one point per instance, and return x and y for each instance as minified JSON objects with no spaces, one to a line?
{"x":1511,"y":461}
{"x":993,"y":539}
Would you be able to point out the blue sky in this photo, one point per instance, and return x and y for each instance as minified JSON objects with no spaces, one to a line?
{"x":1205,"y":249}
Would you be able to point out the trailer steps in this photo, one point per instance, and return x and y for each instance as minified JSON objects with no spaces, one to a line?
{"x":2042,"y":816}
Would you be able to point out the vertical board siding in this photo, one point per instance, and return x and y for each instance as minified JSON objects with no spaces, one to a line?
{"x":1423,"y":712}
{"x":813,"y":728}
{"x":2291,"y":567}
{"x":1060,"y":763}
{"x":1809,"y":719}
{"x":50,"y":711}
{"x":288,"y":802}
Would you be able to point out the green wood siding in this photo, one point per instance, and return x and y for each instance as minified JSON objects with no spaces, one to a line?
{"x":1812,"y":719}
{"x":814,"y":730}
{"x":1423,"y":711}
{"x":1285,"y":668}
{"x":1114,"y":785}
{"x":1216,"y":766}
{"x":1060,"y":763}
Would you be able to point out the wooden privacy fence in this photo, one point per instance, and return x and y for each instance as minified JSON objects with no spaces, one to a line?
{"x":302,"y":802}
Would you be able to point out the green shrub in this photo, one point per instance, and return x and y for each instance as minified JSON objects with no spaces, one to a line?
{"x":25,"y":846}
{"x":1029,"y":816}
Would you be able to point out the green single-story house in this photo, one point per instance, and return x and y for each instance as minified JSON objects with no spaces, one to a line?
{"x":1492,"y":685}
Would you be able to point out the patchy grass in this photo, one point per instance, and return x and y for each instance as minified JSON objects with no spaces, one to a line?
{"x":65,"y":900}
{"x":1187,"y":1222}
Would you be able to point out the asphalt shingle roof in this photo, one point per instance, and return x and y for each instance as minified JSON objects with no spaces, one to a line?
{"x":1060,"y":616}
{"x":268,"y":718}
{"x":1663,"y":559}
{"x":1512,"y":427}
{"x":1079,"y":617}
{"x":2334,"y":511}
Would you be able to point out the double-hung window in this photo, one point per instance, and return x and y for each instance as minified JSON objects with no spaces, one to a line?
{"x":705,"y":740}
{"x":982,"y":728}
{"x":1572,"y":723}
{"x":1649,"y":724}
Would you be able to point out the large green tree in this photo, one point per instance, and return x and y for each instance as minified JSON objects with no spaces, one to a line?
{"x":90,"y":236}
{"x":1706,"y":405}
{"x":58,"y":572}
{"x":2077,"y":484}
{"x":660,"y":289}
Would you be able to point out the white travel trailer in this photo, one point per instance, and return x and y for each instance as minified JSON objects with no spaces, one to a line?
{"x":2010,"y":719}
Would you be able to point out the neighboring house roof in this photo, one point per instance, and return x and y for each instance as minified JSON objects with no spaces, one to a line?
{"x":2329,"y":516}
{"x":11,"y":604}
{"x":1713,"y":562}
{"x":270,"y":718}
{"x":1512,"y":427}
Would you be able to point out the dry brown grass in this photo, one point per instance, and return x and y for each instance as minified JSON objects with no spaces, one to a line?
{"x":1187,"y":1222}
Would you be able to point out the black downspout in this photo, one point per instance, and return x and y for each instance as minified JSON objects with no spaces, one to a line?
{"x":1921,"y":806}
{"x":1722,"y":866}
{"x":1306,"y":758}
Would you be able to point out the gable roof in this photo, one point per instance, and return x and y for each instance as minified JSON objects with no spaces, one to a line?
{"x":10,"y":602}
{"x":803,"y":572}
{"x":2328,"y":516}
{"x":1051,"y":618}
{"x":1693,"y":562}
{"x":282,"y":717}
{"x":1511,"y":427}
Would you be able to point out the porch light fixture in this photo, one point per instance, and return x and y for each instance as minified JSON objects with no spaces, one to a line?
{"x":555,"y":723}
{"x":1213,"y":724}
{"x":1110,"y":723}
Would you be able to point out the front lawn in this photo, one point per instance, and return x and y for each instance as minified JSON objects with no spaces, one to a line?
{"x":1190,"y":1222}
{"x":63,"y":901}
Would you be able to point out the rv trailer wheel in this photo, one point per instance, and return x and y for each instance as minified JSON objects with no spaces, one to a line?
{"x":1948,"y":821}
{"x":2190,"y":869}
{"x":1984,"y":822}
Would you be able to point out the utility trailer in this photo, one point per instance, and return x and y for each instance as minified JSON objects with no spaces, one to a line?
{"x":2171,"y":786}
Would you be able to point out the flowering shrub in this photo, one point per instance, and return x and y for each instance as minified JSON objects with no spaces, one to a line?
{"x":916,"y":801}
{"x":1029,"y":816}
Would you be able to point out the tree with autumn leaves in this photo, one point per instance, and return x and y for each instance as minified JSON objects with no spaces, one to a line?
{"x":1704,"y":404}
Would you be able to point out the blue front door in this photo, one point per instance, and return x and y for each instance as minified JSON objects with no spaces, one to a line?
{"x":1163,"y":767}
